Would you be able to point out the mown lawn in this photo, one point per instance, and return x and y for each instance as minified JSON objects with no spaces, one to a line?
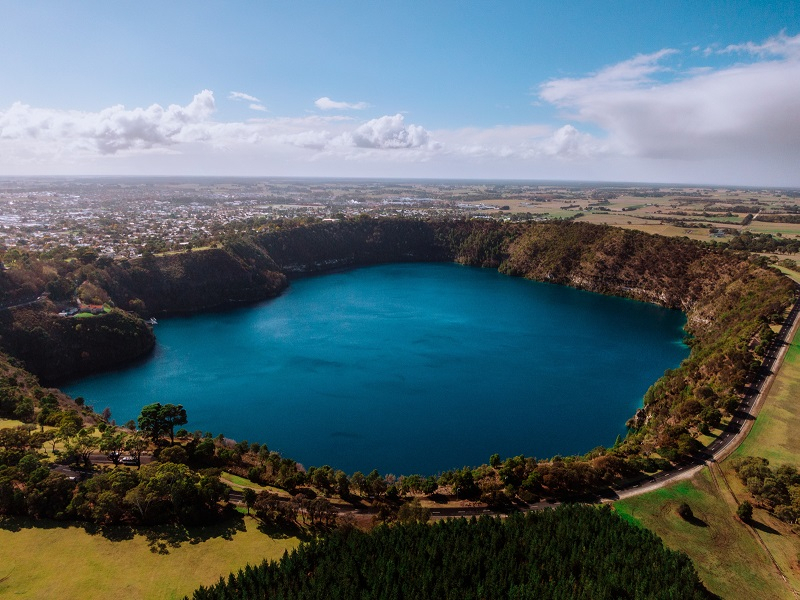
{"x":54,"y":560}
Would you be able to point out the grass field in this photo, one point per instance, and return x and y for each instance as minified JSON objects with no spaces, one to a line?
{"x":774,"y":434}
{"x":728,"y":559}
{"x":51,"y":560}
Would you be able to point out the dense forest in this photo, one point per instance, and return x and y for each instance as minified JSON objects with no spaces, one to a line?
{"x":570,"y":553}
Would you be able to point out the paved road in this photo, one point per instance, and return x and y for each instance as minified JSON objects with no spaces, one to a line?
{"x":74,"y":472}
{"x":737,"y":430}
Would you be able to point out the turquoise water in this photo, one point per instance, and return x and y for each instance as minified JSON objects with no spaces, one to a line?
{"x":407,"y":368}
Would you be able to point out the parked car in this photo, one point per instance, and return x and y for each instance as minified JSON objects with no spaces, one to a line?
{"x":129,"y":460}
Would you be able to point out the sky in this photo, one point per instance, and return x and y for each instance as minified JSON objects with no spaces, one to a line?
{"x":586,"y":90}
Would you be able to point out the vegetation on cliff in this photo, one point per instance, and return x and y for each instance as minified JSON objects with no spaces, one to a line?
{"x":730,"y":302}
{"x":55,"y":347}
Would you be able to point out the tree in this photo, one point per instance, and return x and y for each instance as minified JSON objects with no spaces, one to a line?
{"x":342,"y":484}
{"x":135,"y":444}
{"x":150,"y":421}
{"x":173,"y":415}
{"x":65,"y":431}
{"x":413,"y":512}
{"x":359,"y":482}
{"x":745,"y":511}
{"x":249,"y":496}
{"x":463,"y":484}
{"x":429,"y":486}
{"x":685,"y":511}
{"x":82,"y":446}
{"x":174,"y":454}
{"x":112,"y":442}
{"x":157,"y":420}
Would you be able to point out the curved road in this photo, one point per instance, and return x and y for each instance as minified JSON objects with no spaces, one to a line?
{"x":742,"y":422}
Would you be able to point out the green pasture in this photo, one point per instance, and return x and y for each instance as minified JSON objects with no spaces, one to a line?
{"x":774,"y":435}
{"x":52,"y":560}
{"x":727,"y":558}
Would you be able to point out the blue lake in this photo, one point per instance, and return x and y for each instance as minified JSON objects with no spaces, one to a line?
{"x":407,"y":368}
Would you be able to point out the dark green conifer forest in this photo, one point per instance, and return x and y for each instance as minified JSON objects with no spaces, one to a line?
{"x":572,"y":552}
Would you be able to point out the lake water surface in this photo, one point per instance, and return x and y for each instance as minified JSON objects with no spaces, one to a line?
{"x":407,"y":368}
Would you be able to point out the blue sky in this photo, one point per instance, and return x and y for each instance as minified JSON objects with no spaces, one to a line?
{"x":687,"y":92}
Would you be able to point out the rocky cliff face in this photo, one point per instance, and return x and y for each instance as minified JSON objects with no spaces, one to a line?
{"x":322,"y":247}
{"x":728,"y":300}
{"x":54,"y":347}
{"x":672,"y":272}
{"x":191,"y":281}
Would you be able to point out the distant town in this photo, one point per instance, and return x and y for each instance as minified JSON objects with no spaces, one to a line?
{"x":125,"y":217}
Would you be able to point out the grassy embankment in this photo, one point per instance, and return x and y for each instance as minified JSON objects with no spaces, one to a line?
{"x":733,"y":559}
{"x":54,"y":560}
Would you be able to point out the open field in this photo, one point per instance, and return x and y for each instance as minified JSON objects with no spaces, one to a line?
{"x":657,"y":210}
{"x":791,"y":274}
{"x":728,"y":559}
{"x":53,"y":560}
{"x":774,"y":434}
{"x":8,"y":423}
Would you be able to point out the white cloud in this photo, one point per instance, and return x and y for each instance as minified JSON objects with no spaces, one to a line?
{"x":629,"y":74}
{"x":37,"y":132}
{"x":109,"y":131}
{"x":242,"y":96}
{"x":326,"y":103}
{"x":255,"y":103}
{"x":643,"y":119}
{"x":389,"y":132}
{"x":522,"y":142}
{"x":740,"y":111}
{"x":781,"y":45}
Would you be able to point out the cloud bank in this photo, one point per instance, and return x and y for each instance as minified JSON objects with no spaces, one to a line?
{"x":739,"y":111}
